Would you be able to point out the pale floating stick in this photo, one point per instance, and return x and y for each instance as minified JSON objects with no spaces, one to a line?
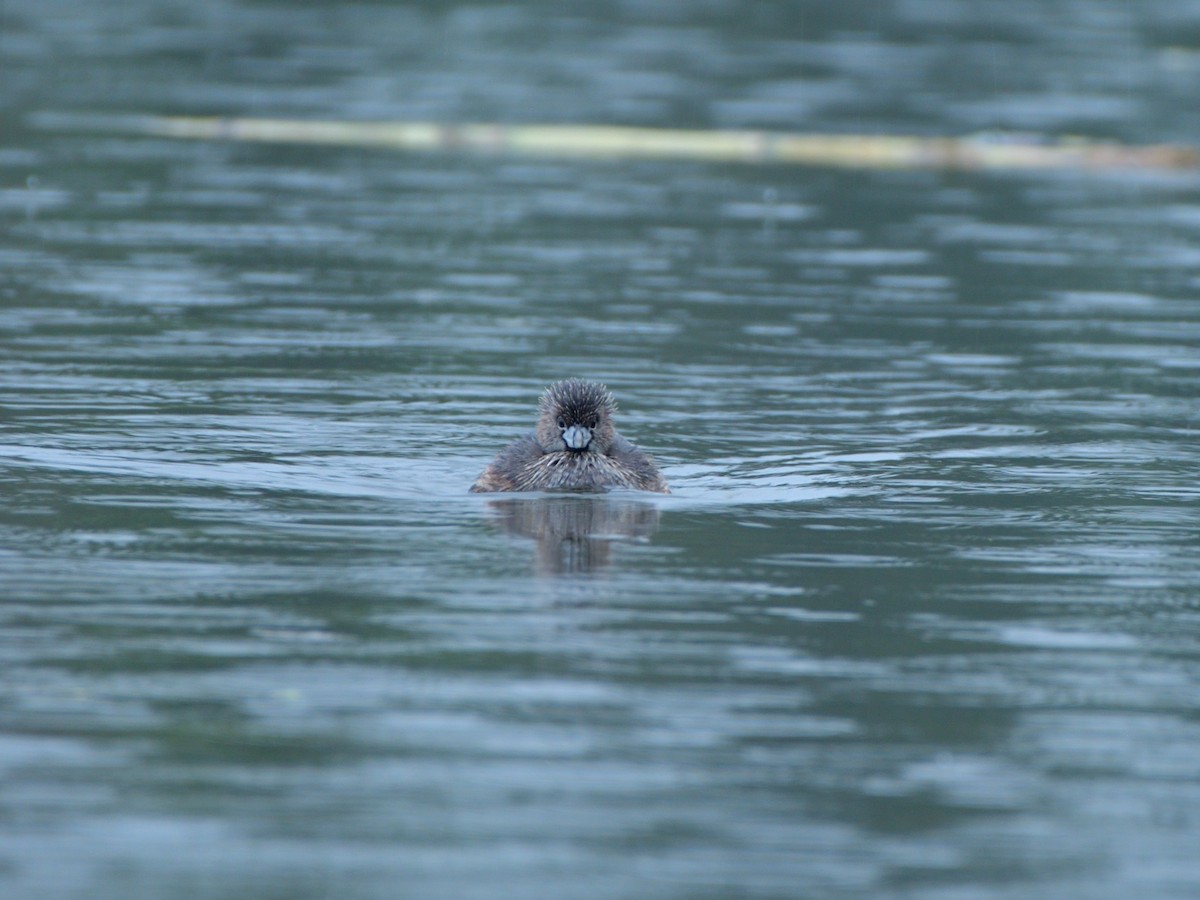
{"x":980,"y":152}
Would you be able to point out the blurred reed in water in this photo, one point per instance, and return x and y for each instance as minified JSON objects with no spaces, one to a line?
{"x":987,"y":151}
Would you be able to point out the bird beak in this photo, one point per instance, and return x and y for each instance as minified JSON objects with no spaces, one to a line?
{"x":577,"y":437}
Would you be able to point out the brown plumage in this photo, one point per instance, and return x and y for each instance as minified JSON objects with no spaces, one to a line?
{"x":574,"y":447}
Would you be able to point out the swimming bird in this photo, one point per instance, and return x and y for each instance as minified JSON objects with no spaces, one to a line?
{"x":574,"y":447}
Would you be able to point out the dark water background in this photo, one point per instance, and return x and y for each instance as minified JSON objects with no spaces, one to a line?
{"x":921,"y":617}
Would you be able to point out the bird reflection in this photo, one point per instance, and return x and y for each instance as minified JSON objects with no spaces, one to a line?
{"x":575,"y":535}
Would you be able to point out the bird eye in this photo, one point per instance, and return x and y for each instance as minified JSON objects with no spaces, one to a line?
{"x":562,"y":423}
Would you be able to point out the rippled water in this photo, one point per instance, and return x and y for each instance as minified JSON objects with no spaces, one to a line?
{"x":920,"y":617}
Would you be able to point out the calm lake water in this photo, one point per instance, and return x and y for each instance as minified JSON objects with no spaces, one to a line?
{"x":921,"y":616}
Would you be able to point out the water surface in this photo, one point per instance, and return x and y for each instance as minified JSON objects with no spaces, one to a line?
{"x":919,"y":618}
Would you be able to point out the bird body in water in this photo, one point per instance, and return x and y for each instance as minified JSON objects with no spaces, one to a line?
{"x":574,"y":447}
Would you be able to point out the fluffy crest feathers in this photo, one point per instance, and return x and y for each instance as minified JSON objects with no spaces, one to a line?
{"x":578,"y":401}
